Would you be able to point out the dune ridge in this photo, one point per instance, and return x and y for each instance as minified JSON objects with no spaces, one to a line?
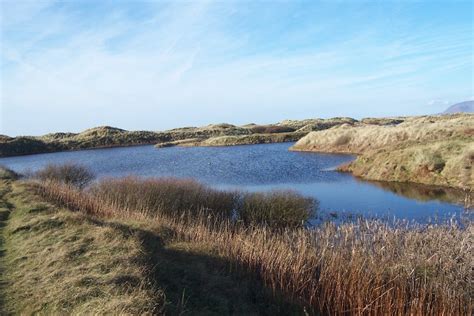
{"x":435,"y":150}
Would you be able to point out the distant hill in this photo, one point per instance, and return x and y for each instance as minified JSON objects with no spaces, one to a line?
{"x":466,"y":107}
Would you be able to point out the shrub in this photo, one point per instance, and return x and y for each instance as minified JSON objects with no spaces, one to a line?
{"x":167,"y":195}
{"x":276,"y":209}
{"x":271,"y":129}
{"x":68,"y":173}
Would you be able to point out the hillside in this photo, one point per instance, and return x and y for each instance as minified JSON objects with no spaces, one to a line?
{"x":106,"y":136}
{"x":435,"y":150}
{"x":285,"y":131}
{"x":463,"y":107}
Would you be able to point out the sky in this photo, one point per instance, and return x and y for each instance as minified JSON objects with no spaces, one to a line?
{"x":155,"y":65}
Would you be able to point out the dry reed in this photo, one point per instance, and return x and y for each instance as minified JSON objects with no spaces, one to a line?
{"x":360,"y":268}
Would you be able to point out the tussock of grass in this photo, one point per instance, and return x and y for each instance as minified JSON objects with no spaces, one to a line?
{"x":366,"y":267}
{"x":61,"y":262}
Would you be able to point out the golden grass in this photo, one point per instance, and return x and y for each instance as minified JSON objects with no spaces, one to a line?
{"x":361,"y":138}
{"x":444,"y":163}
{"x":362,"y":268}
{"x":437,"y":150}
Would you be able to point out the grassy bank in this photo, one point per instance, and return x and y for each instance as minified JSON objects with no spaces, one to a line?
{"x":61,"y":260}
{"x":56,"y":261}
{"x":436,"y":150}
{"x":366,"y":267}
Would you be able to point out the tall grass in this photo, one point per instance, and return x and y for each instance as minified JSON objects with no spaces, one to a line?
{"x":166,"y":195}
{"x":361,"y":268}
{"x":173,"y":197}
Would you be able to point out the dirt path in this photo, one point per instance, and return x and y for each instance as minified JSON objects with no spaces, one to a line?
{"x":5,"y":209}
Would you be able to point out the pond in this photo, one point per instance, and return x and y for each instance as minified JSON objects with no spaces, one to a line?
{"x":264,"y":167}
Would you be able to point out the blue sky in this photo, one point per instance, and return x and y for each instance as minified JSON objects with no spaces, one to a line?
{"x":72,"y":65}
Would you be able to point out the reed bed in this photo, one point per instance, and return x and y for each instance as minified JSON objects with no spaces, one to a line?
{"x":360,"y":268}
{"x":172,"y":197}
{"x":169,"y":196}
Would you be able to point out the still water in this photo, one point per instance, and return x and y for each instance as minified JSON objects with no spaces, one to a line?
{"x":264,"y":167}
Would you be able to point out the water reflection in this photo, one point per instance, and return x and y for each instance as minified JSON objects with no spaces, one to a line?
{"x":423,"y":193}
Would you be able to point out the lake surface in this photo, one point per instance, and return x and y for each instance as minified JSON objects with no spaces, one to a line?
{"x":263,"y":167}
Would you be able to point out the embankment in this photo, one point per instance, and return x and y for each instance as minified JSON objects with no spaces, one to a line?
{"x":436,"y":150}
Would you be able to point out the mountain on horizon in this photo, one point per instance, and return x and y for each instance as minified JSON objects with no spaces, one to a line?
{"x":466,"y":107}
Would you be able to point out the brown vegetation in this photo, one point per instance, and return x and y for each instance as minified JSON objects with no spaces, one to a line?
{"x":174,"y":197}
{"x":366,"y":267}
{"x":6,"y":173}
{"x":167,"y":196}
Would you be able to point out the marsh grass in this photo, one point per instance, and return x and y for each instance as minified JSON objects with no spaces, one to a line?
{"x":174,"y":197}
{"x":364,"y":267}
{"x":168,"y":196}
